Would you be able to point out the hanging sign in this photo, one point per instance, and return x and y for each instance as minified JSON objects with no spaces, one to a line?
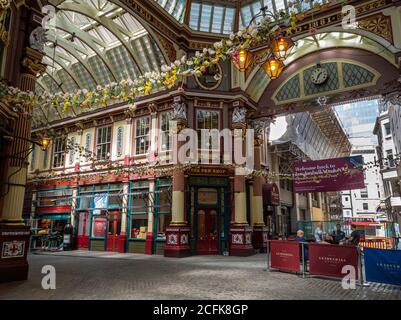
{"x":329,"y":175}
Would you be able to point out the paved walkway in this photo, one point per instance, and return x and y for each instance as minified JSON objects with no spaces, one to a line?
{"x":102,"y":275}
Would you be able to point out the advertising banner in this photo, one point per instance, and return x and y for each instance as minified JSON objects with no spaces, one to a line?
{"x":329,"y":175}
{"x":285,"y":255}
{"x":329,"y":259}
{"x":383,"y":266}
{"x":99,"y":225}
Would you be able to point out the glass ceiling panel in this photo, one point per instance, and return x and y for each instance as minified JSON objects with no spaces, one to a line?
{"x":67,"y":83}
{"x":84,"y":76}
{"x":206,"y":15}
{"x":214,"y":18}
{"x":123,"y":65}
{"x":176,"y":8}
{"x":101,"y":70}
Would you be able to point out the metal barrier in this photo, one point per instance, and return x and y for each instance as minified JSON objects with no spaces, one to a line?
{"x":324,"y":259}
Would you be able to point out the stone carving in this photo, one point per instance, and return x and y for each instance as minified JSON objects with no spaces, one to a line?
{"x":261,"y":126}
{"x":378,"y":24}
{"x":179,"y":112}
{"x":393,"y":98}
{"x":37,"y":39}
{"x":239,"y":115}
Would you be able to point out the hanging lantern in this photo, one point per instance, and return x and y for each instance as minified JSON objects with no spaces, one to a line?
{"x":273,"y":67}
{"x":280,"y":47}
{"x":243,"y":60}
{"x":44,"y":143}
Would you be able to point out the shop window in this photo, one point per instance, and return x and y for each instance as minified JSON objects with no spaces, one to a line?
{"x":163,"y":207}
{"x":103,"y":143}
{"x":142,"y":135}
{"x":58,"y":152}
{"x":48,"y":198}
{"x":165,"y":131}
{"x":139,"y":226}
{"x":84,"y":224}
{"x":163,"y":222}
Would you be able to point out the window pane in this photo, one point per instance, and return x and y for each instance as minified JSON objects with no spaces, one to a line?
{"x":205,"y":18}
{"x":194,"y":17}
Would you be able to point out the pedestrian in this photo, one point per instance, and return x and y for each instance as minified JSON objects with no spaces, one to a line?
{"x":338,"y":234}
{"x":355,"y":236}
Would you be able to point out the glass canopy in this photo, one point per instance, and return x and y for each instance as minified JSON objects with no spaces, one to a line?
{"x":95,"y":42}
{"x":219,"y":16}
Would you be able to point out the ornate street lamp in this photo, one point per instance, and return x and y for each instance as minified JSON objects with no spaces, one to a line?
{"x":280,"y":46}
{"x":273,"y":67}
{"x":44,"y":143}
{"x":243,"y":60}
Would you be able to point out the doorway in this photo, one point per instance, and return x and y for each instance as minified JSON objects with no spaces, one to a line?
{"x":207,"y":235}
{"x":208,"y":214}
{"x":113,"y":231}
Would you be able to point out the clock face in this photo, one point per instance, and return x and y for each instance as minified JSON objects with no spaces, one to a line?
{"x":319,"y":75}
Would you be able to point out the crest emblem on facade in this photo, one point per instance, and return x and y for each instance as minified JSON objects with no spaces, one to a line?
{"x":172,"y":239}
{"x":179,"y":112}
{"x":239,"y":115}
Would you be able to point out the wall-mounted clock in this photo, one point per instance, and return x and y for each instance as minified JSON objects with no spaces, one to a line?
{"x":319,"y":75}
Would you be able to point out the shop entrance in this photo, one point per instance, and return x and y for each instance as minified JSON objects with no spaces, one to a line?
{"x":113,"y":231}
{"x":208,"y":213}
{"x":207,"y":231}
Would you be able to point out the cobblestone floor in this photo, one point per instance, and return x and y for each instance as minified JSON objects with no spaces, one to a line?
{"x":99,"y":275}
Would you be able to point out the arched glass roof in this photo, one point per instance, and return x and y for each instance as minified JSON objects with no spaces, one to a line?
{"x":219,"y":16}
{"x":95,"y":42}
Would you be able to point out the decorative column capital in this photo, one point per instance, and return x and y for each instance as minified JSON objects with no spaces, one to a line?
{"x":31,"y":62}
{"x":130,"y":111}
{"x":393,"y":98}
{"x":261,"y":125}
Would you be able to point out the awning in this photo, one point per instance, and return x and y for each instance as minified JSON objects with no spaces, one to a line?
{"x":362,"y":223}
